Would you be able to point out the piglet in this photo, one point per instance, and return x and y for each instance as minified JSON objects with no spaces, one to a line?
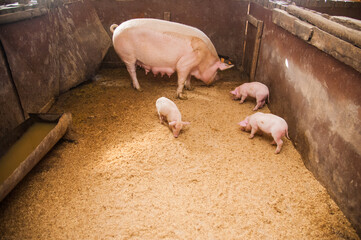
{"x":253,"y":89}
{"x":267,"y":123}
{"x":168,"y":111}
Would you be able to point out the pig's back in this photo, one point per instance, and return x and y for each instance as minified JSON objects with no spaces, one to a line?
{"x":257,"y":87}
{"x":162,"y":26}
{"x":260,"y":85}
{"x":167,"y":107}
{"x":269,"y":122}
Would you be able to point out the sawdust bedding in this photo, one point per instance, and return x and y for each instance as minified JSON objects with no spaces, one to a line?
{"x":120,"y":174}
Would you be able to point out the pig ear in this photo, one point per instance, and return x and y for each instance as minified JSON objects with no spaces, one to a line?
{"x":234,"y":92}
{"x":186,"y":123}
{"x":223,"y":66}
{"x":172,"y":123}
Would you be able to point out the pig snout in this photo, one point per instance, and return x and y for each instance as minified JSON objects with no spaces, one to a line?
{"x":176,"y":129}
{"x":243,"y":124}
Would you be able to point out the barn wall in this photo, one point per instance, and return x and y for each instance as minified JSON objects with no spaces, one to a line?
{"x":320,"y":99}
{"x":222,"y":21}
{"x":47,"y":55}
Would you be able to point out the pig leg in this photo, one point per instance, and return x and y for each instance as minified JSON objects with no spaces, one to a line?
{"x":188,"y":83}
{"x":253,"y":131}
{"x":278,"y":141}
{"x":180,"y":94}
{"x":183,"y":68}
{"x":161,"y":118}
{"x":259,"y":105}
{"x":263,"y":103}
{"x":132,"y":72}
{"x":181,"y":81}
{"x":243,"y":98}
{"x":279,"y":146}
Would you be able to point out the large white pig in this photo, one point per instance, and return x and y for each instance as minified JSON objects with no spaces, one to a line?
{"x":253,"y":89}
{"x":267,"y":123}
{"x":168,"y":111}
{"x":166,"y":47}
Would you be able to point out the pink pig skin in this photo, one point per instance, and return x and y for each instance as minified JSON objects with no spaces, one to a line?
{"x":168,"y":111}
{"x":166,"y":47}
{"x":267,"y":123}
{"x":253,"y":89}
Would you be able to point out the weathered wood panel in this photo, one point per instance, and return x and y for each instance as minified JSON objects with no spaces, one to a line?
{"x":83,"y":43}
{"x":348,"y":34}
{"x":337,"y":47}
{"x":54,"y":52}
{"x":30,"y":48}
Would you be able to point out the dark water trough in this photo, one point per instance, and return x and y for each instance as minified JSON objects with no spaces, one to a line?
{"x":26,"y":145}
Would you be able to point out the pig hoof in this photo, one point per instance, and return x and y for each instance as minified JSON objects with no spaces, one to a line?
{"x":139,"y":89}
{"x":189,"y":88}
{"x":182,"y":96}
